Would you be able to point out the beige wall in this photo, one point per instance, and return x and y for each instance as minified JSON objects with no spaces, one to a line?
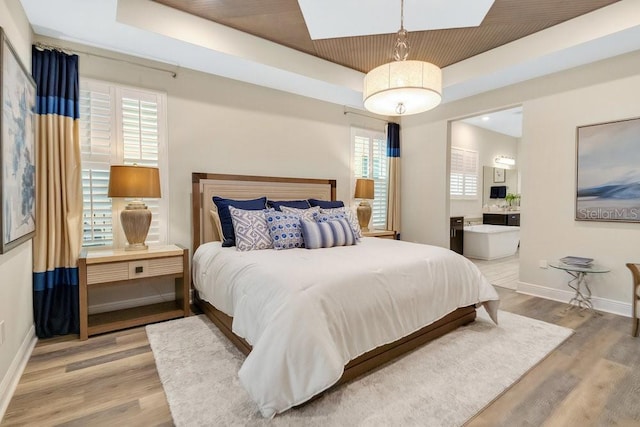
{"x":552,"y":108}
{"x":549,"y":149}
{"x":15,"y":266}
{"x":220,"y":125}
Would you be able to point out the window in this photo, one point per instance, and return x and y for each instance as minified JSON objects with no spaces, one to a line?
{"x":464,"y":174}
{"x":119,"y":125}
{"x":370,"y":161}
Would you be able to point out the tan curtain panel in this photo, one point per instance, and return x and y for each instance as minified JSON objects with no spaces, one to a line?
{"x":58,"y":237}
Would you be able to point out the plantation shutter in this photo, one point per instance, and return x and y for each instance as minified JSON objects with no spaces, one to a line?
{"x":370,"y":161}
{"x":119,"y":126}
{"x":97,"y":136}
{"x":141,"y":144}
{"x":464,"y":174}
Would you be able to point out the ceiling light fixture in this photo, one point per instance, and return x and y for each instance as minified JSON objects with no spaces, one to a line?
{"x":402,"y":87}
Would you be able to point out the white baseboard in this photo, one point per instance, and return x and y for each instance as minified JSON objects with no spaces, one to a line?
{"x":130,"y":303}
{"x":562,"y":295}
{"x":12,"y":377}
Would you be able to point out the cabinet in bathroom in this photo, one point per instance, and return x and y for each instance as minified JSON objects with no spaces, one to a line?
{"x":506,"y":218}
{"x":456,"y":234}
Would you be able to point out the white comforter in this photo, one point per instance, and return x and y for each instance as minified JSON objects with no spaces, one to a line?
{"x":309,"y":312}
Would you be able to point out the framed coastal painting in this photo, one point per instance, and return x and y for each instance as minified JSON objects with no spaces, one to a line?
{"x":608,"y":175}
{"x":17,"y":148}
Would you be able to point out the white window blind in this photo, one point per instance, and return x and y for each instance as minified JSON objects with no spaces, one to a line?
{"x":370,"y":161}
{"x":464,"y":174}
{"x":119,"y":125}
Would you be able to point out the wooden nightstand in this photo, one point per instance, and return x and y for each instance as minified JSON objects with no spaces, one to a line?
{"x":385,"y":234}
{"x":102,"y":267}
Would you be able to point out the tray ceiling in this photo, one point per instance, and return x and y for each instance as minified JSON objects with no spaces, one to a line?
{"x":282,"y":22}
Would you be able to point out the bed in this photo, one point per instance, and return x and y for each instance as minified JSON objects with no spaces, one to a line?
{"x":304,"y":332}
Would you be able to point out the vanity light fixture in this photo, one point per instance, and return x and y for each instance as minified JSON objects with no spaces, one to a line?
{"x":504,"y":160}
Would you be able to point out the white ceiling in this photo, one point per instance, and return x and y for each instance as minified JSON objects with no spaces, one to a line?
{"x":150,"y":30}
{"x":347,"y":18}
{"x":508,"y":122}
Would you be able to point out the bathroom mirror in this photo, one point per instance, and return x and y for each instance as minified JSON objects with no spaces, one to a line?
{"x":498,"y":177}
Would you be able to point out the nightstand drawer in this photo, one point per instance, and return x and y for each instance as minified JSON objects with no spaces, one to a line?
{"x":162,"y":266}
{"x":116,"y":271}
{"x":104,"y":273}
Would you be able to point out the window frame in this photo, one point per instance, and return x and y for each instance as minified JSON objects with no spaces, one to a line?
{"x":380,"y":135}
{"x":117,"y":93}
{"x":467,"y":174}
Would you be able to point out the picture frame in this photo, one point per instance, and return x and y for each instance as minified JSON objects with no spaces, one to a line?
{"x":499,"y":175}
{"x":607,"y":175}
{"x":17,"y":148}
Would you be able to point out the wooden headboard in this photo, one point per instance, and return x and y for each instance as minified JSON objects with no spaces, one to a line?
{"x":206,"y":185}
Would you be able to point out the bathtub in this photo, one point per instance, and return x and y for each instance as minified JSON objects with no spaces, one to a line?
{"x":490,"y":241}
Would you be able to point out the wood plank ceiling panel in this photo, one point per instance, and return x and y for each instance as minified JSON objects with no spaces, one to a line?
{"x":281,"y":21}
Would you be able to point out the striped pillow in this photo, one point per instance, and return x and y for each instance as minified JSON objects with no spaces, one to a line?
{"x":327,"y":234}
{"x":351,"y":217}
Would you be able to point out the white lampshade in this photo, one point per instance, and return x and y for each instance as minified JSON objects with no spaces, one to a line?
{"x":402,"y":88}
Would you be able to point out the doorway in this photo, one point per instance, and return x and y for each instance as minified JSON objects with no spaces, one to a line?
{"x":484,"y":186}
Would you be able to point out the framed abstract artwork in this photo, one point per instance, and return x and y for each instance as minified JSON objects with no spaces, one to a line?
{"x":608,"y":176}
{"x":17,"y":148}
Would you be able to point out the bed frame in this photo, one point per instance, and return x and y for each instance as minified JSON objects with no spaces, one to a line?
{"x":205,"y":186}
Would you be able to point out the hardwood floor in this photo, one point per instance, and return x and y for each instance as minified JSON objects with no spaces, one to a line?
{"x":592,"y":379}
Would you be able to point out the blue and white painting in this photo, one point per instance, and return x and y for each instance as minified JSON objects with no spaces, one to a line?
{"x":609,"y":172}
{"x":18,"y":150}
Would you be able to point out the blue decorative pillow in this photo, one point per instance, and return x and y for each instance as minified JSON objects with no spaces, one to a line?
{"x":284,"y":229}
{"x":229,"y":237}
{"x":330,"y":217}
{"x":297,"y":204}
{"x":326,"y":204}
{"x":250,"y":228}
{"x":348,"y":213}
{"x":327,"y":234}
{"x":309,"y":214}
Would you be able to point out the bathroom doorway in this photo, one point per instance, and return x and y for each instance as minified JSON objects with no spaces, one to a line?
{"x":484,"y":185}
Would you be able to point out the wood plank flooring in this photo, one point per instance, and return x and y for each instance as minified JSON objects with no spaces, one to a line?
{"x":592,"y":379}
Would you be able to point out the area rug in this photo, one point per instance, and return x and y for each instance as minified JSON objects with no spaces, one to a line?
{"x":443,"y":383}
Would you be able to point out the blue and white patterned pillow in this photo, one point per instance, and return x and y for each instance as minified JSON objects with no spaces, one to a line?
{"x":250,"y":228}
{"x":308,"y":214}
{"x":353,"y":220}
{"x":330,"y":217}
{"x":327,"y":234}
{"x":284,"y":229}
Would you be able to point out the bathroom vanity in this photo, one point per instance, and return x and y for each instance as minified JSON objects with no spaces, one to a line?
{"x":502,"y":218}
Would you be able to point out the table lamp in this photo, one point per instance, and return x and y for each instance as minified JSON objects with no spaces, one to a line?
{"x":135,"y":182}
{"x":364,"y":191}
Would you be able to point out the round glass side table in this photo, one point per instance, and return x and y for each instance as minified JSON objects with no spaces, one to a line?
{"x":581,"y":299}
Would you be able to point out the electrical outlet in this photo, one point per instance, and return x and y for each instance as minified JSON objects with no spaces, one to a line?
{"x":1,"y":332}
{"x":543,"y":263}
